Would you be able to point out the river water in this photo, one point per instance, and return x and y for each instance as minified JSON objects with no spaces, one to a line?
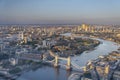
{"x":50,"y":73}
{"x":103,"y":49}
{"x":46,"y":73}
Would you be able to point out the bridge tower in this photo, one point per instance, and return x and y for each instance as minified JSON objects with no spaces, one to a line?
{"x":56,"y":61}
{"x":68,"y":66}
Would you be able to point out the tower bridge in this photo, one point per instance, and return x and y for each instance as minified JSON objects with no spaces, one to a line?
{"x":70,"y":64}
{"x":57,"y":58}
{"x":56,"y":62}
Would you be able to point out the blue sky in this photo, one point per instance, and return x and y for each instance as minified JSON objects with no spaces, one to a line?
{"x":59,"y":11}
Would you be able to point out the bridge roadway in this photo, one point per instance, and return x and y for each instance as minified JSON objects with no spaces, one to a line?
{"x":70,"y":63}
{"x":74,"y":66}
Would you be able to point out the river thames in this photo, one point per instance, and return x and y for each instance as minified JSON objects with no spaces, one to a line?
{"x":51,"y":73}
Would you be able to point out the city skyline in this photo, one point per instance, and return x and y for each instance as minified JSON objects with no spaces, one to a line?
{"x":59,"y":12}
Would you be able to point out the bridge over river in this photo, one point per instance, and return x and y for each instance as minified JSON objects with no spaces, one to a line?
{"x":58,"y":61}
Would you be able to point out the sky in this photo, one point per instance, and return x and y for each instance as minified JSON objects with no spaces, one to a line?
{"x":59,"y":11}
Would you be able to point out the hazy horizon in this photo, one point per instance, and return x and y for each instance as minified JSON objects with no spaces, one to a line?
{"x":59,"y":11}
